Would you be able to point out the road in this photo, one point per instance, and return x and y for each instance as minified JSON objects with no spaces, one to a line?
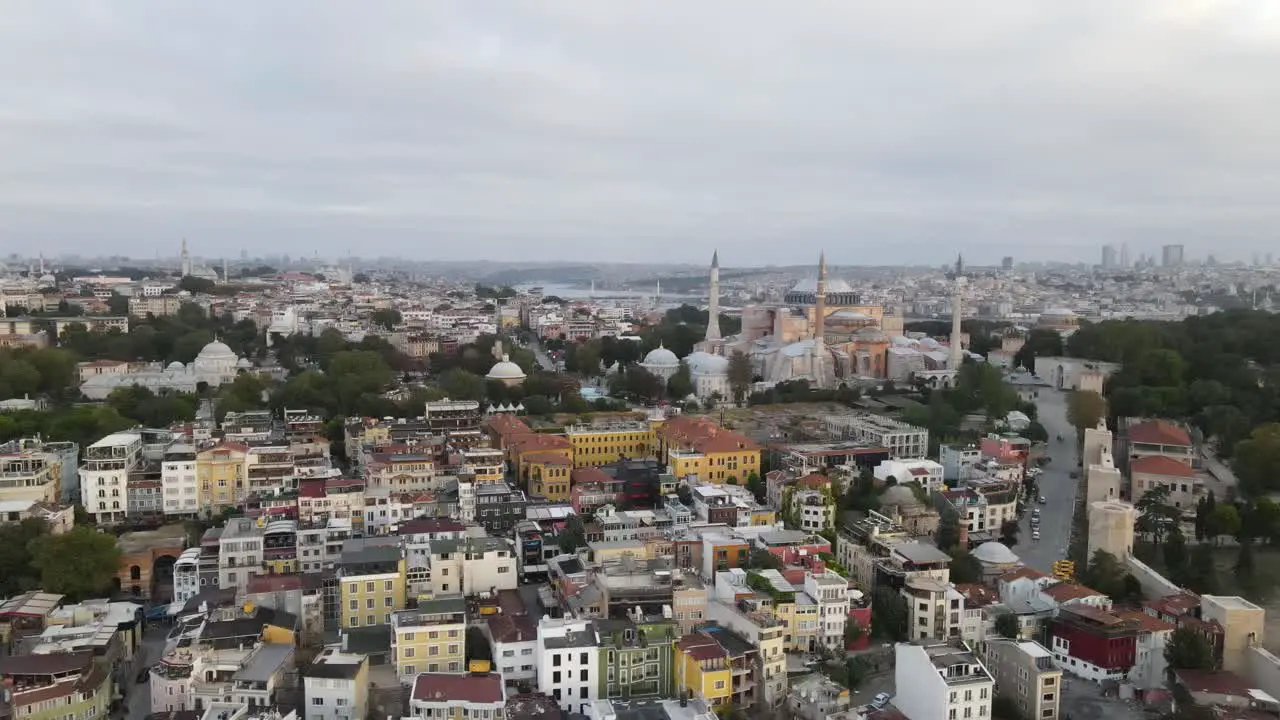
{"x":138,"y":695}
{"x":1055,"y":484}
{"x":540,"y":354}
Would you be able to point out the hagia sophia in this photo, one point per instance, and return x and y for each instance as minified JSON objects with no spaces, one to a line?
{"x":821,"y":332}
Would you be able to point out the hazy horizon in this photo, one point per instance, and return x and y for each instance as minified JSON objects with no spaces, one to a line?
{"x":616,"y":131}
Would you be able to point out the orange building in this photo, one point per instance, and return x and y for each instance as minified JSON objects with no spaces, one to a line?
{"x":690,"y":445}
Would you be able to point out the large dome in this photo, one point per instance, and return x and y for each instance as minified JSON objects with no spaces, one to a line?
{"x":994,"y":553}
{"x":216,"y":350}
{"x":505,"y":370}
{"x":661,"y":357}
{"x":702,"y":363}
{"x":900,"y":495}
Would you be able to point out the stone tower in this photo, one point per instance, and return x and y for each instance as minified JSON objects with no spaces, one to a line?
{"x":957,"y":303}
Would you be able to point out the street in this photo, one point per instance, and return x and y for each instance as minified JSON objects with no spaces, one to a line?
{"x":138,"y":695}
{"x":1055,"y":484}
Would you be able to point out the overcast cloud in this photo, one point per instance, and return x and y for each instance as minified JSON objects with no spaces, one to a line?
{"x":634,"y":130}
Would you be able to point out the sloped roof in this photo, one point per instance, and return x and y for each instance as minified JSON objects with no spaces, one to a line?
{"x":1160,"y":465}
{"x":1159,"y":432}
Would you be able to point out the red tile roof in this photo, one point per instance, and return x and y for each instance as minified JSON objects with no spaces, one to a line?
{"x":1159,"y":432}
{"x":977,"y":595}
{"x":1209,"y":681}
{"x":547,"y":458}
{"x":701,"y":647}
{"x":273,"y":583}
{"x":1177,"y":605}
{"x":443,"y":687}
{"x":814,"y":481}
{"x":1022,"y":572}
{"x":701,"y":434}
{"x":588,"y":475}
{"x":421,"y":526}
{"x":1160,"y":465}
{"x":1148,"y":623}
{"x":1067,"y":591}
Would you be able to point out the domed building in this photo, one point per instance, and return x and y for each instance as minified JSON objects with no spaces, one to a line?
{"x":661,"y":362}
{"x":1063,"y":320}
{"x":506,"y":372}
{"x":710,"y":375}
{"x":215,"y":365}
{"x":901,"y":505}
{"x":996,"y":559}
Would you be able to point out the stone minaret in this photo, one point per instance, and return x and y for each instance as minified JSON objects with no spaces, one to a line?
{"x":957,"y":302}
{"x":820,"y":321}
{"x":713,"y":300}
{"x":186,"y":259}
{"x":226,"y":275}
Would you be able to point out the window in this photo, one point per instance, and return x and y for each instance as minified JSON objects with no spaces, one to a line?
{"x":317,"y":701}
{"x":368,"y":603}
{"x":719,"y":684}
{"x":368,"y":620}
{"x":408,"y":652}
{"x":453,"y":650}
{"x":410,"y":670}
{"x":353,"y":621}
{"x":388,"y":585}
{"x":355,"y":604}
{"x":582,"y":659}
{"x":555,"y":678}
{"x":555,"y":660}
{"x":368,"y":587}
{"x":387,"y":601}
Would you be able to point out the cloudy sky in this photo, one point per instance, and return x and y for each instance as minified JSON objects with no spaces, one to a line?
{"x":622,"y":130}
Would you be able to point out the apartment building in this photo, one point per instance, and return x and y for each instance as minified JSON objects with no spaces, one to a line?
{"x":636,"y":656}
{"x":927,"y":473}
{"x":431,"y":638}
{"x":324,"y":499}
{"x":472,"y":565}
{"x":568,"y":662}
{"x":409,"y":472}
{"x":453,"y":697}
{"x":1025,"y":672}
{"x":337,"y":686}
{"x":513,"y":634}
{"x":240,"y":552}
{"x":157,"y":305}
{"x":57,"y":685}
{"x":602,"y":443}
{"x":371,"y":582}
{"x":320,"y":544}
{"x":179,"y":491}
{"x":719,"y":666}
{"x":104,"y":475}
{"x":941,"y":681}
{"x":28,"y":471}
{"x":221,"y":472}
{"x":280,"y":547}
{"x":904,"y":441}
{"x":269,"y":469}
{"x":755,"y":621}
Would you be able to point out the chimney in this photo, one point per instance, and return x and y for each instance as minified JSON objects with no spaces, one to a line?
{"x":964,"y":534}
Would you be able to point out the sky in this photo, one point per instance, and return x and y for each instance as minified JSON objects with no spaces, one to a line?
{"x":625,"y":131}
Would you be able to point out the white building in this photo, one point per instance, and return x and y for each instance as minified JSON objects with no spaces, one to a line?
{"x":216,"y":365}
{"x":901,"y":439}
{"x":926,"y":472}
{"x":941,"y":682}
{"x":710,"y":375}
{"x":472,"y":565}
{"x":186,"y":576}
{"x":935,"y":609}
{"x":104,"y":475}
{"x":566,"y":653}
{"x":958,"y":462}
{"x":178,"y":480}
{"x":661,"y":362}
{"x":337,"y":686}
{"x":458,"y":697}
{"x":831,"y":593}
{"x":239,"y":553}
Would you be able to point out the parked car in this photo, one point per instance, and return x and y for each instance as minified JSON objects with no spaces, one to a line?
{"x":880,"y":700}
{"x":1035,"y":534}
{"x":144,"y":675}
{"x":1042,"y":501}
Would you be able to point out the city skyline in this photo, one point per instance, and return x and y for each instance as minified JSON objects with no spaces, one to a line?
{"x":615,"y":132}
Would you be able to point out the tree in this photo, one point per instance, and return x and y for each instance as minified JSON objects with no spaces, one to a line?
{"x":760,"y":559}
{"x":1187,"y":649}
{"x":948,"y":535}
{"x":1244,"y":561}
{"x":741,"y":374}
{"x":1007,"y":625}
{"x":888,"y":614}
{"x":1009,"y":532}
{"x":195,"y":285}
{"x":1106,"y":575}
{"x":459,"y":384}
{"x":386,"y":318}
{"x":757,"y":486}
{"x":1257,"y":460}
{"x":1175,"y":556}
{"x":965,"y":568}
{"x":573,"y":536}
{"x":17,"y":574}
{"x":1202,"y":576}
{"x":1226,"y":519}
{"x":1084,"y":409}
{"x":1155,"y":512}
{"x":680,"y":385}
{"x":80,"y":563}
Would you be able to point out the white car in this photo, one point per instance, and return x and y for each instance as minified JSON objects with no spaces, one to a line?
{"x":1035,"y":534}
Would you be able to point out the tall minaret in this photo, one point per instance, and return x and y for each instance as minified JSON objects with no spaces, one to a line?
{"x":226,"y":276}
{"x":957,"y":301}
{"x":186,"y":259}
{"x":713,"y":299}
{"x":820,"y":320}
{"x":657,"y":293}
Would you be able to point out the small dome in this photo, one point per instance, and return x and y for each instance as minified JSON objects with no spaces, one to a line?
{"x":994,"y":553}
{"x":505,"y":370}
{"x":175,"y":365}
{"x":1060,"y":312}
{"x":244,"y":363}
{"x":702,"y":363}
{"x":870,"y":334}
{"x":661,"y":357}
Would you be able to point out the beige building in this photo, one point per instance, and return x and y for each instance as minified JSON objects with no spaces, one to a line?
{"x":1243,"y":626}
{"x":1025,"y":672}
{"x":157,"y":305}
{"x":935,"y":609}
{"x":1184,"y":483}
{"x":30,"y":473}
{"x":1111,"y":527}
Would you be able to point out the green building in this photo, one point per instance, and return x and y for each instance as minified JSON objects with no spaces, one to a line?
{"x":57,"y":686}
{"x":635,"y":657}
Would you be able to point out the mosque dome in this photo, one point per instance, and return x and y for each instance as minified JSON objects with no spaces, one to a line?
{"x":505,"y":370}
{"x":870,"y":335}
{"x":175,"y":365}
{"x":995,"y":553}
{"x":661,"y":357}
{"x":244,"y":364}
{"x":216,"y":350}
{"x":702,"y":363}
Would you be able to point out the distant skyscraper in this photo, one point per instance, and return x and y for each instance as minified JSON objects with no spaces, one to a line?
{"x":1108,"y":257}
{"x":186,"y":259}
{"x":1268,"y":259}
{"x":1007,"y":263}
{"x":1172,"y":256}
{"x":1124,"y":255}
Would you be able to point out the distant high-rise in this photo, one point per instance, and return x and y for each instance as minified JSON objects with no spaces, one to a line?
{"x":1124,"y":255}
{"x":1108,"y":257}
{"x":1007,"y":263}
{"x":186,"y":259}
{"x":1172,"y":256}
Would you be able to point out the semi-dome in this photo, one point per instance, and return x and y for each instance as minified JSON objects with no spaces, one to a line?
{"x":175,"y":365}
{"x":244,"y":364}
{"x":504,"y":369}
{"x":995,"y":553}
{"x":1060,"y":312}
{"x":871,"y":334}
{"x":661,"y":357}
{"x":703,"y":363}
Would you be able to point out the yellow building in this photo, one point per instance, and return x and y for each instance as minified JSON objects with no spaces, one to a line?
{"x":604,"y":443}
{"x":547,"y":474}
{"x":803,"y":625}
{"x":697,"y":446}
{"x":702,"y":667}
{"x":431,"y":638}
{"x":220,"y":474}
{"x":521,"y":449}
{"x":371,"y":584}
{"x":486,"y":464}
{"x":763,"y":516}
